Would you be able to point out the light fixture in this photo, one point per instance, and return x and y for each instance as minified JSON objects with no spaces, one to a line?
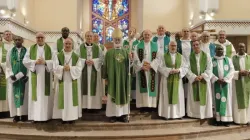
{"x":2,"y":12}
{"x":212,"y":14}
{"x":26,"y":22}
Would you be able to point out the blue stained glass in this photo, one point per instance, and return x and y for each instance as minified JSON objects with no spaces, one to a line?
{"x":97,"y":27}
{"x":109,"y":32}
{"x":123,"y":24}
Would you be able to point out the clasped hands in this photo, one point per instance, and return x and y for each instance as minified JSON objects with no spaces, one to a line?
{"x":174,"y":71}
{"x":66,"y":67}
{"x":89,"y":62}
{"x":146,"y":66}
{"x":40,"y":61}
{"x":244,"y":73}
{"x":199,"y":79}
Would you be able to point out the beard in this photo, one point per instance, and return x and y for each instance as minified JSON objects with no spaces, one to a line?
{"x":117,"y":45}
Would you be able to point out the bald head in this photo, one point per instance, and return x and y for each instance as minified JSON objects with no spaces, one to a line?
{"x":40,"y":38}
{"x":194,"y":36}
{"x":89,"y":37}
{"x":68,"y":44}
{"x":147,"y":34}
{"x":161,"y":30}
{"x":185,"y":33}
{"x":65,"y":32}
{"x":172,"y":47}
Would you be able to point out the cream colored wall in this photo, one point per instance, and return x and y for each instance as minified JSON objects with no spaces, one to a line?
{"x":233,"y":9}
{"x":86,"y":16}
{"x":166,"y":12}
{"x":52,"y":15}
{"x":25,"y":9}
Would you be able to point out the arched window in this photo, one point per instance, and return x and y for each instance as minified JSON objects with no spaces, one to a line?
{"x":109,"y":14}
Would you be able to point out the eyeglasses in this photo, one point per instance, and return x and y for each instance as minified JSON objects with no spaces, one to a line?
{"x":39,"y":37}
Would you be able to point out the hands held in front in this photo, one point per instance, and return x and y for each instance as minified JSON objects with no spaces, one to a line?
{"x":13,"y":77}
{"x":66,"y":68}
{"x":40,"y":61}
{"x":221,"y":81}
{"x":199,"y":79}
{"x":146,"y":66}
{"x":174,"y":71}
{"x":89,"y":62}
{"x":244,"y":73}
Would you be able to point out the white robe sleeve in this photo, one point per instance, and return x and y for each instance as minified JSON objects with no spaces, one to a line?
{"x":76,"y":70}
{"x":77,"y":51}
{"x":28,"y":63}
{"x":8,"y":65}
{"x":163,"y":69}
{"x":236,"y":75}
{"x":233,"y":50}
{"x":230,"y":75}
{"x":184,"y":67}
{"x":49,"y":65}
{"x":58,"y":69}
{"x":98,"y":61}
{"x":208,"y":72}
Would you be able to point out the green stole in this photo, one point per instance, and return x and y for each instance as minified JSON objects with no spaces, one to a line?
{"x":59,"y":44}
{"x":199,"y":88}
{"x":48,"y":56}
{"x":116,"y":71}
{"x":173,"y":79}
{"x":61,"y":58}
{"x":142,"y":76}
{"x":126,"y":43}
{"x":2,"y":75}
{"x":17,"y":66}
{"x":93,"y":79}
{"x":242,"y":85}
{"x":166,"y":42}
{"x":221,"y":90}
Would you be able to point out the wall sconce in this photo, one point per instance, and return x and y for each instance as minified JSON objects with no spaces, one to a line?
{"x":2,"y":11}
{"x":26,"y":22}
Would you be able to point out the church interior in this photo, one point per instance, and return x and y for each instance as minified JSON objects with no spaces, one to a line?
{"x":27,"y":17}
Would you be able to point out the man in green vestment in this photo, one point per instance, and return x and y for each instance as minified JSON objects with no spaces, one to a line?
{"x":228,"y":47}
{"x":116,"y":67}
{"x":223,"y":72}
{"x":16,"y":74}
{"x":161,"y":39}
{"x":59,"y":43}
{"x":241,"y":84}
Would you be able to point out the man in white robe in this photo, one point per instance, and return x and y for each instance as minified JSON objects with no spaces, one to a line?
{"x":146,"y":62}
{"x":91,"y":82}
{"x":199,"y":99}
{"x":67,"y":68}
{"x":194,"y":36}
{"x":116,"y":68}
{"x":18,"y":86}
{"x":38,"y":60}
{"x":161,"y":39}
{"x":7,"y":45}
{"x":241,"y":86}
{"x":223,"y":72}
{"x":207,"y":46}
{"x":173,"y":68}
{"x":228,"y":47}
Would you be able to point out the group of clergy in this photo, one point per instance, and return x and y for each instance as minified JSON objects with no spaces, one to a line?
{"x":183,"y":76}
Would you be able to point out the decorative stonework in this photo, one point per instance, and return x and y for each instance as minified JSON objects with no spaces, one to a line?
{"x":29,"y":34}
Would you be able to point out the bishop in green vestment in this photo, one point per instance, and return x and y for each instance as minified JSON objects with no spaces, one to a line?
{"x":199,"y":97}
{"x":16,"y":75}
{"x":223,"y":72}
{"x":68,"y":70}
{"x":241,"y":86}
{"x":116,"y":67}
{"x":171,"y":99}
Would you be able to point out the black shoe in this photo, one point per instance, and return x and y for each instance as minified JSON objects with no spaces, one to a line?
{"x":16,"y":119}
{"x":24,"y":118}
{"x":217,"y":123}
{"x":226,"y":124}
{"x":112,"y":119}
{"x":124,"y":118}
{"x":71,"y":122}
{"x":248,"y":124}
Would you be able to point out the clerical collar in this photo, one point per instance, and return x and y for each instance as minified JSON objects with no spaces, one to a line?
{"x":219,"y":57}
{"x":88,"y":44}
{"x":160,"y":36}
{"x":40,"y":46}
{"x":241,"y":55}
{"x":7,"y":42}
{"x":205,"y":43}
{"x":67,"y":53}
{"x":187,"y":40}
{"x":172,"y":53}
{"x":146,"y":43}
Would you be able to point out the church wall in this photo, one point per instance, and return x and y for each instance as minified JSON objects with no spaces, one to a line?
{"x":52,"y":15}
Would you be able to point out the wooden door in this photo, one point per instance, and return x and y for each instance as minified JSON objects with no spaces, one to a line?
{"x":235,"y":40}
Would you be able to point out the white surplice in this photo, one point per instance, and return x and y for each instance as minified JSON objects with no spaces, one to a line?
{"x":143,"y":99}
{"x":205,"y":48}
{"x":228,"y":79}
{"x":165,"y":109}
{"x":40,"y":110}
{"x":4,"y":105}
{"x":69,"y":112}
{"x":23,"y":109}
{"x":88,"y":101}
{"x":240,"y":116}
{"x":194,"y":109}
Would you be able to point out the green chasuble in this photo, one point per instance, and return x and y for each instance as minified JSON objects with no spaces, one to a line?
{"x":48,"y":56}
{"x":221,"y":91}
{"x":59,"y":44}
{"x":2,"y":75}
{"x":17,"y":66}
{"x":126,"y":44}
{"x":142,"y":76}
{"x":173,"y":79}
{"x":61,"y":58}
{"x":199,"y":88}
{"x":243,"y":83}
{"x":116,"y":72}
{"x":93,"y":79}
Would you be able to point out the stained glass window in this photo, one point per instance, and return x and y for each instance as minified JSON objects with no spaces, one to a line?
{"x":109,"y":14}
